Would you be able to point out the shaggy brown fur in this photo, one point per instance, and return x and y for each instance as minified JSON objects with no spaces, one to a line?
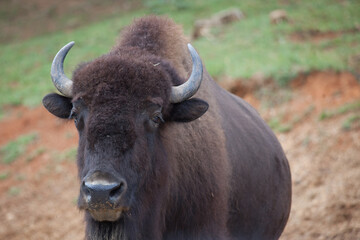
{"x":221,"y":175}
{"x":161,"y":37}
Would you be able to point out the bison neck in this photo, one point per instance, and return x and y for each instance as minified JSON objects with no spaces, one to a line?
{"x":127,"y":227}
{"x":104,"y":230}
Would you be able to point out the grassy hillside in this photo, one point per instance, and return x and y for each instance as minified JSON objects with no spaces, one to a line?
{"x":322,"y":34}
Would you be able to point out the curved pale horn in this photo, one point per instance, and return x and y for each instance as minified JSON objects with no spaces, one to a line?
{"x":61,"y":82}
{"x":190,"y":87}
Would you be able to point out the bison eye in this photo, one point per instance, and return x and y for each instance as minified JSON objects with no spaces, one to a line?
{"x":74,"y":115}
{"x":157,"y":118}
{"x":78,"y":112}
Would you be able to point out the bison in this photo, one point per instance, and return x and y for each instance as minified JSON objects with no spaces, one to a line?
{"x":161,"y":157}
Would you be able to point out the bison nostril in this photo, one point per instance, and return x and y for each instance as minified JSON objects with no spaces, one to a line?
{"x":100,"y":191}
{"x":86,"y":191}
{"x":117,"y":191}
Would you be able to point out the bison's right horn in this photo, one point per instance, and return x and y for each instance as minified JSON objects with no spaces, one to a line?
{"x":61,"y":82}
{"x":190,"y":87}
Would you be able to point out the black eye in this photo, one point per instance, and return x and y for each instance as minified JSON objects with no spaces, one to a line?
{"x":74,"y":115}
{"x":78,"y":113}
{"x":157,"y":118}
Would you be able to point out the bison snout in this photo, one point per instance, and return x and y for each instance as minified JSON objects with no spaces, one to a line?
{"x":102,"y":191}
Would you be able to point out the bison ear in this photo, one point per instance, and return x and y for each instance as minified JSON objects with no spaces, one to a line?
{"x":188,"y":110}
{"x":58,"y":105}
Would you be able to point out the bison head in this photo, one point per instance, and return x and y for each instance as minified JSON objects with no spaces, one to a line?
{"x":120,"y":104}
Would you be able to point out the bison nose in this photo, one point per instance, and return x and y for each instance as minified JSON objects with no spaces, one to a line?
{"x":103,"y":193}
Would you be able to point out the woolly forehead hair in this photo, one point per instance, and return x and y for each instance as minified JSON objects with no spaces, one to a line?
{"x":113,"y":77}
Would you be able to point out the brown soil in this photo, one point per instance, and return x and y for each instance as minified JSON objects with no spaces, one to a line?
{"x":24,"y":19}
{"x":38,"y":196}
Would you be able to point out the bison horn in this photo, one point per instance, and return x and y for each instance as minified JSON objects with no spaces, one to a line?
{"x":190,"y":87}
{"x":61,"y":82}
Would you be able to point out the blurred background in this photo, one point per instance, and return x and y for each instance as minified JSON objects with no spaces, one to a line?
{"x":297,"y":62}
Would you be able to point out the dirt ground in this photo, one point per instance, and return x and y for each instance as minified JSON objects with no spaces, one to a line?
{"x":20,"y":20}
{"x":38,"y":191}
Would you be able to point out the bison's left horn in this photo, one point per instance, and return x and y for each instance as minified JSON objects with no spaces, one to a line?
{"x":61,"y":82}
{"x":190,"y":87}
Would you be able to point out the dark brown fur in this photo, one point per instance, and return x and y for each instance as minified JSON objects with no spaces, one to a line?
{"x":222,"y":176}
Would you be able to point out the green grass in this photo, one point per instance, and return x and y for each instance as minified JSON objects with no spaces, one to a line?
{"x":254,"y":45}
{"x":4,"y":175}
{"x":302,"y":116}
{"x":67,"y":155}
{"x":16,"y":148}
{"x":350,"y":121}
{"x":341,"y":110}
{"x":37,"y":152}
{"x":25,"y":67}
{"x":20,"y":177}
{"x":277,"y":126}
{"x":14,"y":191}
{"x":239,"y":50}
